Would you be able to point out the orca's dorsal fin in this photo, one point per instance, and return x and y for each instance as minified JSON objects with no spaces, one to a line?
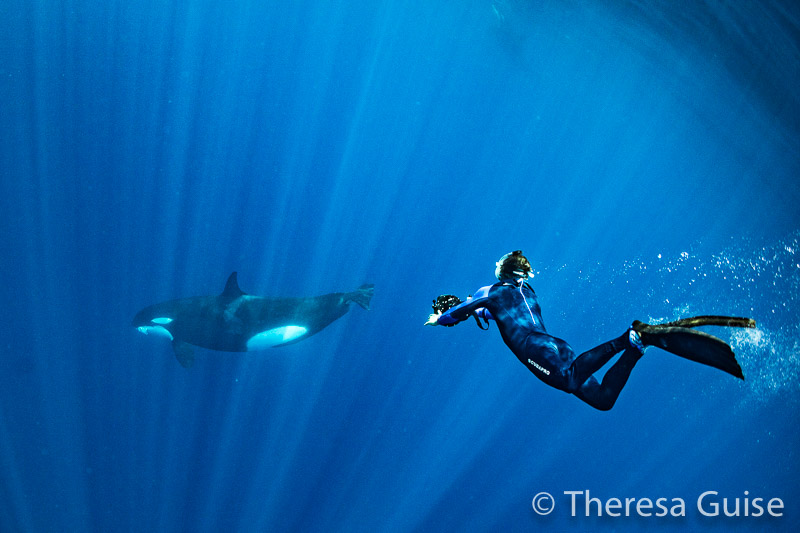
{"x":232,"y":290}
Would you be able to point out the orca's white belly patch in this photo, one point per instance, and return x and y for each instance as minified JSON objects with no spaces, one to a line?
{"x":275,"y":337}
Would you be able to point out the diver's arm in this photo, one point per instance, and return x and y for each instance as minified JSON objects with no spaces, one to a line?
{"x":463,"y":311}
{"x":433,"y":318}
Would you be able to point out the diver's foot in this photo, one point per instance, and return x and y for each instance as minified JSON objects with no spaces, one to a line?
{"x":635,"y":340}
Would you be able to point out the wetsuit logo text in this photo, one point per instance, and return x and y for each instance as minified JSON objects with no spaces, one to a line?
{"x":539,"y":367}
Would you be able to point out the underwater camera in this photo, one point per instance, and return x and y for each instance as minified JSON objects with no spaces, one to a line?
{"x":444,"y":302}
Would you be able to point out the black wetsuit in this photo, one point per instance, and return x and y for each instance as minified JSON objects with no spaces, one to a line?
{"x":515,"y":308}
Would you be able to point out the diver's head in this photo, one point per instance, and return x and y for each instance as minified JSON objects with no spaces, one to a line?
{"x":513,"y":266}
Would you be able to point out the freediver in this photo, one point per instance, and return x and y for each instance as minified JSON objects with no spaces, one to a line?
{"x":513,"y":305}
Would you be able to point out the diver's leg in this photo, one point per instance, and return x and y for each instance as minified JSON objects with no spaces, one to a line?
{"x":590,"y":362}
{"x":604,"y":395}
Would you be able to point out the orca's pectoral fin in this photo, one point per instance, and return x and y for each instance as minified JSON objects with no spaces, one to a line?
{"x":361,"y":296}
{"x":184,"y":353}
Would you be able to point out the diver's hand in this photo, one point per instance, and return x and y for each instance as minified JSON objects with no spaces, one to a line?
{"x":433,"y":320}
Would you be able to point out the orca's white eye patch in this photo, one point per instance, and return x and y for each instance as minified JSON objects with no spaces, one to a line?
{"x":275,"y":337}
{"x":162,"y":320}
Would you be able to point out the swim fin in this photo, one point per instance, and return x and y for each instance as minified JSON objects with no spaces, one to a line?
{"x":694,"y":345}
{"x":712,"y":320}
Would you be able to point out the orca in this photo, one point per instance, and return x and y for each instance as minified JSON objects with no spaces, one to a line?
{"x":235,"y":321}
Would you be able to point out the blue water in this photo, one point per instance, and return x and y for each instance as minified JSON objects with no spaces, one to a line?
{"x":645,"y":156}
